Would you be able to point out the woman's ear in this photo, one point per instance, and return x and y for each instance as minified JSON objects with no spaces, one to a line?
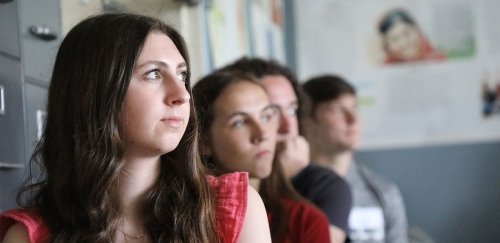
{"x":207,"y":151}
{"x":207,"y":148}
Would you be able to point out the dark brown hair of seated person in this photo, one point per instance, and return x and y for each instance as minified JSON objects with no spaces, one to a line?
{"x":324,"y":88}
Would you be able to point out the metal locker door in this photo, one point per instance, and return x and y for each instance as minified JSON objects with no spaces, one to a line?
{"x":36,"y":100}
{"x":9,"y":29}
{"x":40,"y":30}
{"x":12,"y":116}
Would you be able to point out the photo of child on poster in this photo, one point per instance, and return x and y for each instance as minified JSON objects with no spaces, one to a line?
{"x":403,"y":40}
{"x":406,"y":35}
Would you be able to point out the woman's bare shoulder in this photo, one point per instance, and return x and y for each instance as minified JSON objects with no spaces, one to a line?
{"x":17,"y":233}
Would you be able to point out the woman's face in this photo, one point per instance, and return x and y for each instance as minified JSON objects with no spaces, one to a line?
{"x":402,"y":42}
{"x":156,"y":108}
{"x":243,"y":131}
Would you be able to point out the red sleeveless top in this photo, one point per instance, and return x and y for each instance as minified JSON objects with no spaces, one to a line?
{"x":231,"y":193}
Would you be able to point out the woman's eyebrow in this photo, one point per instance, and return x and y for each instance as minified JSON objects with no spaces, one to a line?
{"x":270,"y":107}
{"x":237,"y":113}
{"x":161,"y":64}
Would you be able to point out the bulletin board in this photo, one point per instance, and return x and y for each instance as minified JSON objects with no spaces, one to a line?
{"x":451,"y":94}
{"x":237,"y":28}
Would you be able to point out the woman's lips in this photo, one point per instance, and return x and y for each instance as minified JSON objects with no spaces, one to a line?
{"x":174,"y":122}
{"x":262,"y":153}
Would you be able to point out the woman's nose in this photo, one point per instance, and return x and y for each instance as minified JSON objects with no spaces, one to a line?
{"x":260,"y":133}
{"x":177,"y":93}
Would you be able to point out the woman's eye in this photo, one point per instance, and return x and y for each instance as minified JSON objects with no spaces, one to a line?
{"x":153,"y":75}
{"x":292,"y":111}
{"x":239,"y":123}
{"x":266,"y":118}
{"x":182,"y":76}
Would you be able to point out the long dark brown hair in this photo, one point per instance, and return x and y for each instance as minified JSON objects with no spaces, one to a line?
{"x":273,"y":189}
{"x":81,"y":150}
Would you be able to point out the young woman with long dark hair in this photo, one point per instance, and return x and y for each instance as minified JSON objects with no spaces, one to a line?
{"x":238,"y":130}
{"x":118,"y":156}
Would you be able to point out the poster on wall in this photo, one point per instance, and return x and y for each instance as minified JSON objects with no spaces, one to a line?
{"x":227,"y":25}
{"x":427,"y":71}
{"x":266,"y":29}
{"x":239,"y":28}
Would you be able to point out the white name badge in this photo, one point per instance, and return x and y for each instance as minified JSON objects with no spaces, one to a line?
{"x":366,"y":224}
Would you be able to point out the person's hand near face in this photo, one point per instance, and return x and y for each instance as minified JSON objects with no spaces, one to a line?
{"x":293,"y":154}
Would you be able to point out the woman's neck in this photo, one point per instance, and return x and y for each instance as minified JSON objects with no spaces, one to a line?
{"x":254,"y":183}
{"x":136,"y":179}
{"x":339,"y":162}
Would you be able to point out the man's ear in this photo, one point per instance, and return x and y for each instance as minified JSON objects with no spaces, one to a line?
{"x":307,"y":122}
{"x":308,"y":126}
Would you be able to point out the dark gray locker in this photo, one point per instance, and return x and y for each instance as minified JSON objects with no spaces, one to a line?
{"x":39,"y":51}
{"x":12,"y":142}
{"x":11,"y":119}
{"x":36,"y":99}
{"x":9,"y":29}
{"x":10,"y":181}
